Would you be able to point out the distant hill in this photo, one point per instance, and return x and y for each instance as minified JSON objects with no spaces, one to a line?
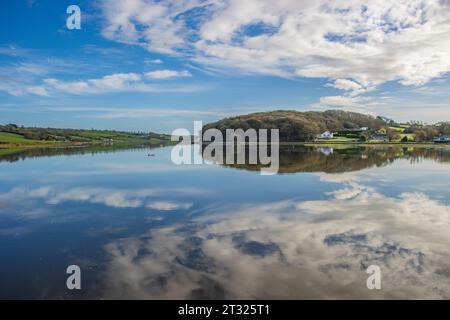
{"x":13,"y":135}
{"x":300,"y":126}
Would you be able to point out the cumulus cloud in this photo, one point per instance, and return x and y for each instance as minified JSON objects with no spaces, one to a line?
{"x":360,"y":44}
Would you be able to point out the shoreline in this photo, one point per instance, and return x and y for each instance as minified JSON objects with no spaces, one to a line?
{"x":368,"y":144}
{"x":364,"y":144}
{"x":11,"y":149}
{"x":56,"y":144}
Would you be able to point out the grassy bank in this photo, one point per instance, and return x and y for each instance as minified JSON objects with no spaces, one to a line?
{"x":372,"y":144}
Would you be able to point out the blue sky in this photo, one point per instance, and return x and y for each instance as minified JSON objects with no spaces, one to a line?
{"x":160,"y":65}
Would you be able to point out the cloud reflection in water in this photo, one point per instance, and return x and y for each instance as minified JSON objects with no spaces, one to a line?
{"x":293,"y":249}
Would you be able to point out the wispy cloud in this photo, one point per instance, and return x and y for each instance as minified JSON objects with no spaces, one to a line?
{"x":123,"y":113}
{"x":168,"y":205}
{"x":153,"y":61}
{"x":167,"y":74}
{"x":116,"y":198}
{"x":13,"y":51}
{"x":118,"y":82}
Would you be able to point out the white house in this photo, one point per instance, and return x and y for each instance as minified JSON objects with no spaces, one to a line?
{"x":326,"y":135}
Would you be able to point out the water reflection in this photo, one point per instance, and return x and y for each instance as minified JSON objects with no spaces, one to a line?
{"x":16,"y":155}
{"x":141,"y":228}
{"x":292,"y":249}
{"x":293,"y":158}
{"x":344,"y":159}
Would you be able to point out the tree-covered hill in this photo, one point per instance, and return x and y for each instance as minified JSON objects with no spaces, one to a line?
{"x":305,"y":126}
{"x":299,"y":126}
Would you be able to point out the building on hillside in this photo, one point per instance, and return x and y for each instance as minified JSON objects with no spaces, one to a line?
{"x":442,"y":139}
{"x":379,"y":138}
{"x":326,"y":135}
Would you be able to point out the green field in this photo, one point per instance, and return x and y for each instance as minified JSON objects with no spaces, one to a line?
{"x":339,"y":139}
{"x":16,"y":139}
{"x":398,"y":129}
{"x":411,"y":137}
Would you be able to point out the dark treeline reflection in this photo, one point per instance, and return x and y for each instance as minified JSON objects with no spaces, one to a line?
{"x":67,"y":151}
{"x":296,"y":158}
{"x":292,"y":158}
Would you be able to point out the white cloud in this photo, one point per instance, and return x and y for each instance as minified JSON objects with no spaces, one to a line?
{"x":167,"y":74}
{"x":367,"y":43}
{"x":339,"y":101}
{"x":153,"y":61}
{"x":19,"y":78}
{"x":109,"y":83}
{"x":168,"y":205}
{"x":121,"y":82}
{"x":37,"y":90}
{"x":17,"y":89}
{"x":346,"y":85}
{"x":350,"y":103}
{"x":428,"y":105}
{"x":162,"y":31}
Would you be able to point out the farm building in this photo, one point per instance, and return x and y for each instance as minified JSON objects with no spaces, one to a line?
{"x":326,"y":135}
{"x":379,"y":138}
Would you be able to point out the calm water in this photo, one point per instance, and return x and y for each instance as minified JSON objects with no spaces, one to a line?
{"x":141,"y":227}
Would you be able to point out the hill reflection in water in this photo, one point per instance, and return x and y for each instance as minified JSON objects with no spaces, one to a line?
{"x":343,"y":159}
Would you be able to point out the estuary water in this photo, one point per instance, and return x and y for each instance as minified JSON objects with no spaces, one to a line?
{"x":140,"y":227}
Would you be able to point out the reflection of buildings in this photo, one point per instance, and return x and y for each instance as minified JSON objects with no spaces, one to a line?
{"x":326,"y":151}
{"x":108,"y":141}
